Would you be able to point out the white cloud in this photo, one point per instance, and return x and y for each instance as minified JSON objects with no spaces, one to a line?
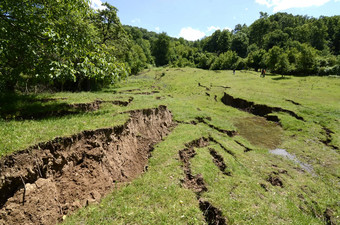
{"x":191,"y":34}
{"x":136,"y":20}
{"x":213,"y":28}
{"x":97,"y":4}
{"x":279,"y":5}
{"x":157,"y":29}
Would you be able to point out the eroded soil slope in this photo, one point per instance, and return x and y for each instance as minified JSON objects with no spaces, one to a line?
{"x":41,"y":184}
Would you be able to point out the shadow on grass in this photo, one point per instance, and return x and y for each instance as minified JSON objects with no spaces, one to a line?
{"x":281,"y":78}
{"x":31,"y":107}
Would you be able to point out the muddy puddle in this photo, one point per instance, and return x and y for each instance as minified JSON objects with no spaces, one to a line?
{"x":259,"y":132}
{"x":282,"y":152}
{"x":43,"y":183}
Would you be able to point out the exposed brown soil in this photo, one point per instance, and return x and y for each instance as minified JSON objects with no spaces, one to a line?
{"x":224,"y":148}
{"x":246,"y":149}
{"x":329,"y":218}
{"x":256,"y":109}
{"x":193,"y":182}
{"x":291,"y":101}
{"x":221,"y":86}
{"x":230,"y":133}
{"x":86,"y":107}
{"x":146,"y":93}
{"x":328,"y":140}
{"x":206,"y":88}
{"x":275,"y":180}
{"x":196,"y":182}
{"x":127,"y":91}
{"x":47,"y":99}
{"x":46,"y":181}
{"x":219,"y":161}
{"x":68,"y":109}
{"x":212,"y":215}
{"x":264,"y":186}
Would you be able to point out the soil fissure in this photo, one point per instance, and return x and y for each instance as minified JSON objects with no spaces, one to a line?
{"x":256,"y":109}
{"x":62,"y":175}
{"x":212,"y":215}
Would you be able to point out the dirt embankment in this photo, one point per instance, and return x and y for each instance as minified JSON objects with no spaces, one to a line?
{"x":257,"y":109}
{"x":41,"y":184}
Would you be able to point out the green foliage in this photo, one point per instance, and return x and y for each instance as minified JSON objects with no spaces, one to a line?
{"x":204,"y":60}
{"x":275,"y":38}
{"x":53,"y":42}
{"x":256,"y":59}
{"x":67,"y":45}
{"x":161,"y":50}
{"x":240,"y":44}
{"x":225,"y":61}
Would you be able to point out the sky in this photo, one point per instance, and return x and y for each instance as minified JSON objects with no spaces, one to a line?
{"x":195,"y":19}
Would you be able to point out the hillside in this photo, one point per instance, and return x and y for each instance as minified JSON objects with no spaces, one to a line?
{"x":175,"y":146}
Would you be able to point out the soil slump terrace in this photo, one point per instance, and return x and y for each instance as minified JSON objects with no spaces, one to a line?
{"x":41,"y":184}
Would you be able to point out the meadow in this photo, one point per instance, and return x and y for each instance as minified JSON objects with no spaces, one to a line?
{"x":228,"y":143}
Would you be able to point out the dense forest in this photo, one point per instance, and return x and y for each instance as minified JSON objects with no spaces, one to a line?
{"x":66,"y":45}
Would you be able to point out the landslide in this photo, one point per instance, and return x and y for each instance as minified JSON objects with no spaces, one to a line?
{"x":43,"y":183}
{"x":256,"y":109}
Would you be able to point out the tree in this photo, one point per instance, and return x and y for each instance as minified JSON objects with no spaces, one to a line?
{"x":306,"y":62}
{"x":256,"y":59}
{"x":240,"y":43}
{"x":273,"y":57}
{"x":108,"y":23}
{"x":161,"y":50}
{"x":52,"y":42}
{"x":225,"y":61}
{"x":211,"y":43}
{"x":318,"y":35}
{"x":224,"y":41}
{"x":275,"y":38}
{"x":282,"y":66}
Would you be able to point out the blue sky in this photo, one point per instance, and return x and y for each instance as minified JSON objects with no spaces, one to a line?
{"x":194,"y":19}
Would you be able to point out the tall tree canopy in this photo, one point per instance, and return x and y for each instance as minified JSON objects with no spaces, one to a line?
{"x":52,"y":41}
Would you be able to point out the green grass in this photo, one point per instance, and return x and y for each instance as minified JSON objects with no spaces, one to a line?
{"x":157,"y":197}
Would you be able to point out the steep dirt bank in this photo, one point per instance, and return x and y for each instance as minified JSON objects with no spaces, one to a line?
{"x":41,"y":184}
{"x":256,"y":109}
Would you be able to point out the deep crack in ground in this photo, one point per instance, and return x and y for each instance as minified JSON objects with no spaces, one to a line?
{"x":256,"y":109}
{"x":46,"y":181}
{"x":212,"y":214}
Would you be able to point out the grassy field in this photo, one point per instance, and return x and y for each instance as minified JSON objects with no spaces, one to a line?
{"x":249,"y":195}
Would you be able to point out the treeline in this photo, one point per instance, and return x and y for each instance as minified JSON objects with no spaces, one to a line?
{"x":66,"y":45}
{"x":281,"y":43}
